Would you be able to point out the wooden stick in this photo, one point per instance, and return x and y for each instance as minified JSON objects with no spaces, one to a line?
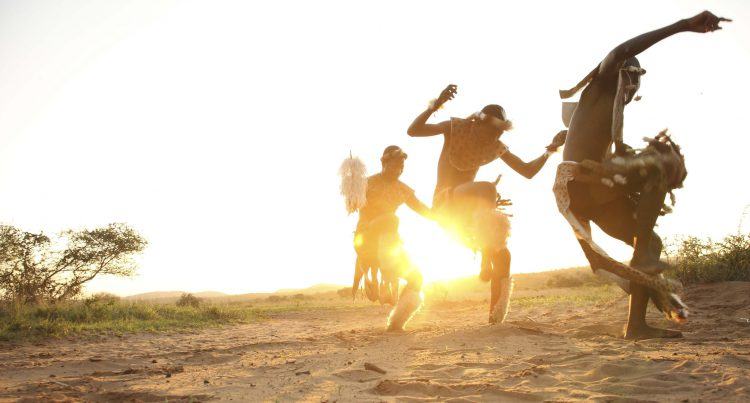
{"x":373,"y":367}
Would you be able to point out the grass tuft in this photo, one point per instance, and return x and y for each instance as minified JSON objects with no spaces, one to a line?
{"x":107,"y":314}
{"x":20,"y":322}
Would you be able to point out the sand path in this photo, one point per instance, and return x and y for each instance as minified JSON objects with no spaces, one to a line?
{"x":564,"y":353}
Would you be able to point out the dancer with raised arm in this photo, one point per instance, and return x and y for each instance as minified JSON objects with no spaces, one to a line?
{"x":624,"y":193}
{"x":469,"y":207}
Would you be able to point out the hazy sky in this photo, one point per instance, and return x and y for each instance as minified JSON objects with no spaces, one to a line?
{"x":216,"y":128}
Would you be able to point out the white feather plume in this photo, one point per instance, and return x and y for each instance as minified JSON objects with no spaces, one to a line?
{"x":353,"y":183}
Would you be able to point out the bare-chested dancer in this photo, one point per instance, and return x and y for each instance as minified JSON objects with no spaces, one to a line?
{"x":595,"y":126}
{"x":469,"y":144}
{"x":378,"y":244}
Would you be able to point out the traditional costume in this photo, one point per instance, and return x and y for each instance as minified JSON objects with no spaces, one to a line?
{"x":376,"y":238}
{"x":475,"y":215}
{"x":471,"y":209}
{"x":660,"y":166}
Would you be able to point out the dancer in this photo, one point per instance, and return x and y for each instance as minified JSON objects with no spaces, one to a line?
{"x":470,"y":207}
{"x":376,"y":241}
{"x":629,"y":193}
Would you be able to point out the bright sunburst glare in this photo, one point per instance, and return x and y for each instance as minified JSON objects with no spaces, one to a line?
{"x":221,"y":144}
{"x":437,"y":254}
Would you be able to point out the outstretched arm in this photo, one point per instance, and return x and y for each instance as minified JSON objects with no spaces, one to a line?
{"x":529,"y":169}
{"x":419,"y":207}
{"x":526,"y":169}
{"x":420,"y":128}
{"x":703,"y":22}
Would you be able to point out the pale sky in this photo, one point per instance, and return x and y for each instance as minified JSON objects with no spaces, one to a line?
{"x":215,"y":128}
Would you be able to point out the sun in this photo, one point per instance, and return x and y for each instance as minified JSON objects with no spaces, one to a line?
{"x":435,"y":253}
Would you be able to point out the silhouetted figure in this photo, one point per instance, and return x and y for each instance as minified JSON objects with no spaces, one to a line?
{"x":595,"y":126}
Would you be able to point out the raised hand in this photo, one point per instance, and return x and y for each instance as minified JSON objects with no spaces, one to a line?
{"x":557,"y":141}
{"x":448,"y":93}
{"x":705,"y":22}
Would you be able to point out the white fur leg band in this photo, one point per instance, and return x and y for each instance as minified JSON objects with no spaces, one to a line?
{"x":408,"y":304}
{"x":502,"y":307}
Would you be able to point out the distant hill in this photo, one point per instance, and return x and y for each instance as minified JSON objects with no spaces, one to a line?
{"x":175,"y":295}
{"x":317,"y":288}
{"x":570,"y":277}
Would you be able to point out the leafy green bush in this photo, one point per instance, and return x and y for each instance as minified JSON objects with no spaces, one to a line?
{"x":697,"y":260}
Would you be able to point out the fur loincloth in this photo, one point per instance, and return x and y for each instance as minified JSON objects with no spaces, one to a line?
{"x":665,"y":290}
{"x":489,"y":230}
{"x":478,"y":227}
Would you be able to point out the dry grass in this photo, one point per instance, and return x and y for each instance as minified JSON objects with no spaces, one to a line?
{"x":111,"y":315}
{"x":697,"y":260}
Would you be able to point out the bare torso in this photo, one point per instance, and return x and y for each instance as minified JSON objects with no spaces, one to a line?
{"x":384,"y":197}
{"x":590,"y":132}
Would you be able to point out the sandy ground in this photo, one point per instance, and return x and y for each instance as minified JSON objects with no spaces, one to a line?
{"x":556,"y":353}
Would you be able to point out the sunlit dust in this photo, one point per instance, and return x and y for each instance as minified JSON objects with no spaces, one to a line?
{"x":437,"y":254}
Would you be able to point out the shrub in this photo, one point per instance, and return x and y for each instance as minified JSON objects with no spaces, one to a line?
{"x":698,"y":260}
{"x":188,"y":299}
{"x":103,"y":298}
{"x":35,"y":268}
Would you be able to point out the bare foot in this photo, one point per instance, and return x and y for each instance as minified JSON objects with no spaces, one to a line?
{"x":494,"y":320}
{"x":644,"y":331}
